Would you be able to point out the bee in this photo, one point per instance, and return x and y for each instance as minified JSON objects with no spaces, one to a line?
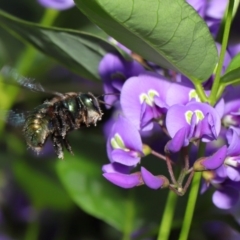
{"x":56,"y":117}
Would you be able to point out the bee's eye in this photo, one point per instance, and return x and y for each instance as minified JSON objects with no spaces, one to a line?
{"x":88,"y":101}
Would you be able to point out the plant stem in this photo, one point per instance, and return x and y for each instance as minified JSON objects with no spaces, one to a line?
{"x":128,"y":226}
{"x":49,"y":17}
{"x":192,"y":199}
{"x":167,"y":218}
{"x":216,"y":83}
{"x":32,"y":231}
{"x":158,"y":155}
{"x":188,"y":181}
{"x":200,"y":91}
{"x":170,"y":170}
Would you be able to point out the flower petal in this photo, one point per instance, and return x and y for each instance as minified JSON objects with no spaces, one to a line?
{"x":56,"y":4}
{"x":124,"y":180}
{"x":233,"y":141}
{"x":178,"y":141}
{"x":128,"y":133}
{"x":125,"y":158}
{"x":213,"y":162}
{"x":116,"y":167}
{"x":150,"y":180}
{"x":225,"y":198}
{"x":233,"y":173}
{"x":134,"y":87}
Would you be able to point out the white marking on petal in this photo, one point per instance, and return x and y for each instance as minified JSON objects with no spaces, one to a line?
{"x":193,"y":95}
{"x":117,"y":143}
{"x":148,"y":97}
{"x":231,"y":162}
{"x":189,"y":114}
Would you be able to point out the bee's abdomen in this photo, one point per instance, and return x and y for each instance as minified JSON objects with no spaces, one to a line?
{"x":36,"y":130}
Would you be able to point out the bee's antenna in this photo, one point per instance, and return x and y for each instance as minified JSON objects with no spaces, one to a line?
{"x":105,"y":94}
{"x":100,"y":101}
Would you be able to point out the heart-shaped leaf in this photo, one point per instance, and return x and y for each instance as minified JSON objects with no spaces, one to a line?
{"x":169,"y":33}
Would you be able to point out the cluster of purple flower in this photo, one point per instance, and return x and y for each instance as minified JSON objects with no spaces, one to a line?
{"x":149,"y":98}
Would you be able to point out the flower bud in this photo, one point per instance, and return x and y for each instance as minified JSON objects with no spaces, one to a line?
{"x":146,"y":149}
{"x":208,"y":175}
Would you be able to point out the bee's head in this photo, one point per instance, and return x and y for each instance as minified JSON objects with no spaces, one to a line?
{"x":91,"y":104}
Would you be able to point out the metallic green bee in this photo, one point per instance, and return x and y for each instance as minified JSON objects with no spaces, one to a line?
{"x":54,"y":118}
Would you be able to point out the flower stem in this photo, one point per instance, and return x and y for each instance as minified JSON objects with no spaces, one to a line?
{"x":167,"y":218}
{"x":49,"y":17}
{"x":158,"y":155}
{"x":216,"y":83}
{"x":192,"y":199}
{"x":32,"y":231}
{"x":128,"y":226}
{"x":170,"y":170}
{"x":200,"y":91}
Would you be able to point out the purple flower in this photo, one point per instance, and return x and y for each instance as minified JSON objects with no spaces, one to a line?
{"x":199,"y":5}
{"x":227,"y":194}
{"x":226,"y":179}
{"x":143,"y":99}
{"x":120,"y":175}
{"x":232,"y":161}
{"x":190,"y":122}
{"x":234,"y":49}
{"x":213,"y":162}
{"x":124,"y":180}
{"x":57,"y":4}
{"x":114,"y":70}
{"x":231,"y":109}
{"x":124,"y":143}
{"x":211,"y":11}
{"x":181,"y":93}
{"x":152,"y":181}
{"x":215,"y":9}
{"x":121,"y":46}
{"x":112,"y":119}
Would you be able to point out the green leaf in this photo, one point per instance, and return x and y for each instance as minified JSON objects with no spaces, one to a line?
{"x":234,"y":64}
{"x":42,"y":190}
{"x":94,"y":194}
{"x":232,"y":74}
{"x":169,"y":33}
{"x":78,"y":51}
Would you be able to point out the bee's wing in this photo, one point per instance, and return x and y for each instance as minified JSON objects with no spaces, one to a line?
{"x":13,"y":118}
{"x":13,"y":77}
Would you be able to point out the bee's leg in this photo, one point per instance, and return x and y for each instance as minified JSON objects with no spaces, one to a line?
{"x":57,"y":144}
{"x":68,"y":146}
{"x":84,"y":112}
{"x":62,"y":126}
{"x":71,"y":120}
